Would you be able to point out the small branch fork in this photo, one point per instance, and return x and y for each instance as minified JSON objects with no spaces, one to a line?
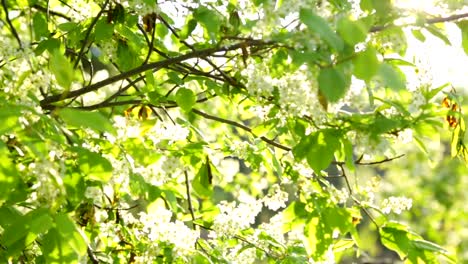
{"x":350,"y":190}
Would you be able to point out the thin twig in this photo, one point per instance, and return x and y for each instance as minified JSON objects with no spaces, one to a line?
{"x":379,"y":161}
{"x":343,"y":172}
{"x":91,"y":256}
{"x":47,"y":102}
{"x":12,"y":28}
{"x":345,"y":176}
{"x":48,"y":11}
{"x":88,"y":33}
{"x":189,"y":198}
{"x":241,"y":126}
{"x":240,"y":238}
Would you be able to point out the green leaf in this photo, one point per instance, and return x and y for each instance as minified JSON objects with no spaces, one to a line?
{"x":185,"y":99}
{"x":50,"y":45}
{"x":418,"y":35}
{"x":126,"y":57}
{"x":320,"y":26}
{"x":366,"y":5}
{"x":93,"y":165}
{"x":352,"y":32}
{"x":347,"y":149}
{"x":9,"y":175}
{"x":9,"y":115}
{"x":189,"y":27}
{"x":64,"y":243}
{"x":430,"y":94}
{"x":429,"y":246}
{"x":202,"y":181}
{"x":318,"y":237}
{"x":62,"y":68}
{"x":343,"y":245}
{"x":366,"y":64}
{"x":392,"y":77}
{"x":409,"y":245}
{"x":86,"y":119}
{"x":103,"y":30}
{"x":332,"y":84}
{"x":68,"y":26}
{"x":40,"y":26}
{"x":463,"y":25}
{"x":323,"y":145}
{"x":209,"y":20}
{"x":27,"y":227}
{"x":396,"y":237}
{"x":438,"y":33}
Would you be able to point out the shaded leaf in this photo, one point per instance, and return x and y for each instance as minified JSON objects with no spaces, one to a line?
{"x":320,"y":26}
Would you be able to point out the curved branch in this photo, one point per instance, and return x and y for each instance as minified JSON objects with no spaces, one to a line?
{"x":47,"y":102}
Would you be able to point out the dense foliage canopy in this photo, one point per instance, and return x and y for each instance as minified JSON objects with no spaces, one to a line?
{"x":236,"y":131}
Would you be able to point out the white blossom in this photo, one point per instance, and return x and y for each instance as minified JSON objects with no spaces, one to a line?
{"x":396,"y":204}
{"x":276,"y":199}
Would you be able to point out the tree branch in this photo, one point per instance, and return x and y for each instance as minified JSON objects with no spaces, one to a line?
{"x":241,"y":126}
{"x":88,"y":33}
{"x":189,"y":197}
{"x":12,"y":28}
{"x":48,"y":11}
{"x":47,"y":102}
{"x":427,"y":22}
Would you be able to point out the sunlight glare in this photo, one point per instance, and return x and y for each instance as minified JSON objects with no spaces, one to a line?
{"x":428,"y":6}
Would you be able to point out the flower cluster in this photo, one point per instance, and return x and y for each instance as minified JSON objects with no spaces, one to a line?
{"x":396,"y":204}
{"x":276,"y":199}
{"x":158,"y":227}
{"x":297,"y":91}
{"x":233,"y":219}
{"x":161,"y":171}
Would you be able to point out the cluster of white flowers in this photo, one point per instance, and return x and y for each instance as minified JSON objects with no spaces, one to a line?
{"x":274,"y":228}
{"x":417,"y":101}
{"x":297,"y":91}
{"x":391,"y":42}
{"x":303,"y":170}
{"x":406,"y":136}
{"x":368,"y":191}
{"x":396,"y":204}
{"x":121,"y":168}
{"x":49,"y":184}
{"x":78,"y":9}
{"x":240,"y":255}
{"x":371,"y":147}
{"x":262,"y":111}
{"x":158,"y":227}
{"x":94,"y":193}
{"x":171,"y":132}
{"x":132,"y":128}
{"x":127,"y":128}
{"x":339,"y":196}
{"x":161,"y":171}
{"x":232,"y":218}
{"x":242,"y":148}
{"x":276,"y":199}
{"x":18,"y":79}
{"x":228,"y":168}
{"x":108,"y":233}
